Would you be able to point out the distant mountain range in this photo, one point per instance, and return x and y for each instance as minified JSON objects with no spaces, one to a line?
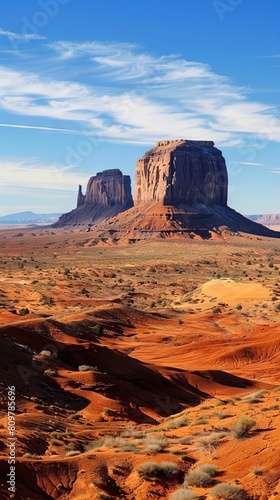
{"x":268,"y":220}
{"x":29,"y":218}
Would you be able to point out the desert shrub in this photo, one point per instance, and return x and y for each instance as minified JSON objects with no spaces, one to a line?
{"x":201,"y":476}
{"x":177,"y":423}
{"x":115,"y":442}
{"x":216,"y":310}
{"x":84,"y":291}
{"x":197,"y":478}
{"x":258,"y":472}
{"x":99,"y":329}
{"x":133,"y":433}
{"x":46,"y":354}
{"x":227,"y":491}
{"x":54,"y":442}
{"x":61,"y":435}
{"x":50,"y":373}
{"x":108,"y":411}
{"x":149,"y":470}
{"x":71,"y":447}
{"x":86,"y":368}
{"x":185,"y":440}
{"x":46,"y":300}
{"x":154,"y":444}
{"x":128,"y":447}
{"x":72,"y":453}
{"x":112,"y":275}
{"x":23,"y":311}
{"x":239,"y":307}
{"x":153,"y":304}
{"x":255,"y":397}
{"x":183,"y":494}
{"x":209,"y":469}
{"x":29,"y":455}
{"x":200,"y":421}
{"x":97,"y":443}
{"x":242,"y":426}
{"x":211,"y":441}
{"x":277,"y":307}
{"x":221,"y":415}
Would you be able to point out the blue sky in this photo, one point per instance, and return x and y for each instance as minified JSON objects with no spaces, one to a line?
{"x":86,"y":86}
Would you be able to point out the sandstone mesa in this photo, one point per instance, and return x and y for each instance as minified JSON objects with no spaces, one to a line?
{"x":180,"y":186}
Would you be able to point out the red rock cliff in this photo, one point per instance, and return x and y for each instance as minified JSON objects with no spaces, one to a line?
{"x":182,"y":171}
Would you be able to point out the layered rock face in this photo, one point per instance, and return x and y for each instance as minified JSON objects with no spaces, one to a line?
{"x":182,"y":171}
{"x":108,"y":193}
{"x":109,"y":188}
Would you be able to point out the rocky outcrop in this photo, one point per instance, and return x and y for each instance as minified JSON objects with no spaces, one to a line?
{"x":182,"y":171}
{"x":109,"y":188}
{"x":108,"y":193}
{"x":181,"y":190}
{"x":81,"y":197}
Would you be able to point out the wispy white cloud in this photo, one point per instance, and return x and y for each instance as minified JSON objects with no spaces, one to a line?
{"x":30,"y":173}
{"x":127,"y":95}
{"x":15,"y":125}
{"x":21,"y":36}
{"x":253,"y":164}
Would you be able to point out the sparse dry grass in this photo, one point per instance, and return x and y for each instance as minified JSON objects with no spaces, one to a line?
{"x":225,"y":491}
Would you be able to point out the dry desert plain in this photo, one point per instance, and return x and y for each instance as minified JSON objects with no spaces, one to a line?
{"x":142,"y":371}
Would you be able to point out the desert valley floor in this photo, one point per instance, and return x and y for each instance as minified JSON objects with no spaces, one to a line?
{"x":136,"y":364}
